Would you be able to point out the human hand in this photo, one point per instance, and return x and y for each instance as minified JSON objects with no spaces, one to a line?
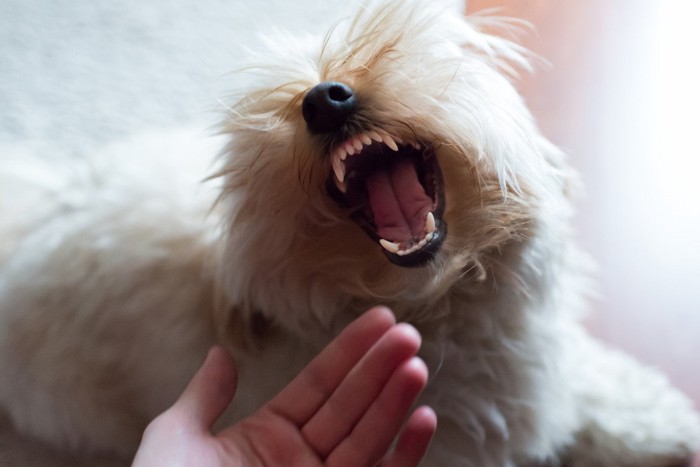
{"x":344,"y":409}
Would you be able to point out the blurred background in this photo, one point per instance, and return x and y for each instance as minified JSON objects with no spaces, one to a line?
{"x":621,"y":95}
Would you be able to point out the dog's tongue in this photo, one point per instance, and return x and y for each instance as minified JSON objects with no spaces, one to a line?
{"x":398,"y":201}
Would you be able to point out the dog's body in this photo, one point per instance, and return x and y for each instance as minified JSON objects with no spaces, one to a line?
{"x":117,"y":276}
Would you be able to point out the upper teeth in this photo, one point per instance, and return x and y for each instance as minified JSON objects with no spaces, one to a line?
{"x":355,"y":145}
{"x":375,"y":136}
{"x":339,"y":169}
{"x":390,"y":142}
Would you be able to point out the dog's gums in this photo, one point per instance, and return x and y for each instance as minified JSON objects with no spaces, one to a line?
{"x":393,"y":187}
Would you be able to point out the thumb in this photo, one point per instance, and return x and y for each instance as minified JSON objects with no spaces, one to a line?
{"x":210,"y":391}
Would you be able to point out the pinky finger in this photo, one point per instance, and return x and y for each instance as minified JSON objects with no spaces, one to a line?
{"x":414,"y":439}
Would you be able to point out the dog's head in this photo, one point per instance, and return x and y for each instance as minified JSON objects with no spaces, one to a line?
{"x":389,"y":159}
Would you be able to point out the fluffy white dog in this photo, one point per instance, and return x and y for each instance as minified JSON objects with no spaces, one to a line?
{"x":390,"y":162}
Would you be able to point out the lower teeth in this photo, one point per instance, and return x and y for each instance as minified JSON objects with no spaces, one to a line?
{"x":394,"y":248}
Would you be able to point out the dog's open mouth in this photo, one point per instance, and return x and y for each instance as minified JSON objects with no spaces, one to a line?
{"x":395,"y":191}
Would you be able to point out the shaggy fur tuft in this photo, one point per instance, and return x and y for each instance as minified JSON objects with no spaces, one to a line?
{"x":124,"y":270}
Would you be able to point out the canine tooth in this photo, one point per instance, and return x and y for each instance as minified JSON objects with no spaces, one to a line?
{"x":366,"y":139}
{"x":339,"y":169}
{"x":391,"y":247}
{"x":375,"y":136}
{"x":357,"y":144}
{"x":430,"y":223}
{"x":389,"y":141}
{"x":341,"y":186}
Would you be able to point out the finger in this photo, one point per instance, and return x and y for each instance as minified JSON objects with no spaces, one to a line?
{"x":210,"y":391}
{"x":360,"y":389}
{"x":414,"y":439}
{"x":302,"y":398}
{"x":374,"y":433}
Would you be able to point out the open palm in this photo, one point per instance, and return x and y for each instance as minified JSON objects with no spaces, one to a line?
{"x":344,"y":409}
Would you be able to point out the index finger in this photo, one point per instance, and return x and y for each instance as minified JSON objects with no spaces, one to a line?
{"x":302,"y":397}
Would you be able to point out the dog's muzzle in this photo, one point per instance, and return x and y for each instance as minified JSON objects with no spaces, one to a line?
{"x":392,"y":186}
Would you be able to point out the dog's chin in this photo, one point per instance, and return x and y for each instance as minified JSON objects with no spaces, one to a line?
{"x":393,"y":189}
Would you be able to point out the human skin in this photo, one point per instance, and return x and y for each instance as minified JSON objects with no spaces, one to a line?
{"x":344,"y":409}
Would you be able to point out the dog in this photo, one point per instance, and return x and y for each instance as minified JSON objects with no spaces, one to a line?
{"x":390,"y":162}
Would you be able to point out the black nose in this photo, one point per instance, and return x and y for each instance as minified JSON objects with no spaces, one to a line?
{"x":327,"y":106}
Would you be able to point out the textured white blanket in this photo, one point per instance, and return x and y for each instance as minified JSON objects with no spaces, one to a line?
{"x":75,"y":75}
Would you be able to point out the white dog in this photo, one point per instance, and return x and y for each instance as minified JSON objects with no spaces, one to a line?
{"x":390,"y":162}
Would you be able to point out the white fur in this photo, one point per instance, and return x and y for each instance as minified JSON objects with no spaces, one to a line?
{"x":119,"y":271}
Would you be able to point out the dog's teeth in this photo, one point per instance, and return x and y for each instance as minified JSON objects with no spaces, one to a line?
{"x":350,"y":149}
{"x":375,"y":136}
{"x":430,"y":223}
{"x":416,"y":145}
{"x":357,"y":144}
{"x":339,"y":169}
{"x":341,"y":186}
{"x":424,"y":241}
{"x":366,"y":139}
{"x":389,"y":141}
{"x":391,"y":247}
{"x":340,"y":153}
{"x":406,"y":252}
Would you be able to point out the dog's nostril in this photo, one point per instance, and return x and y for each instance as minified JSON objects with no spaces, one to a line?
{"x":339,"y":92}
{"x":327,"y":106}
